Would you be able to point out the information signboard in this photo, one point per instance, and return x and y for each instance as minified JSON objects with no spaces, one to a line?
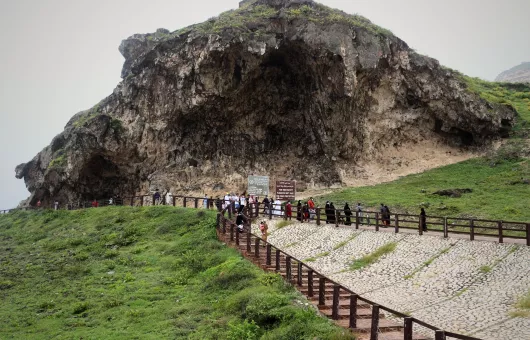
{"x":285,"y":190}
{"x":258,"y":185}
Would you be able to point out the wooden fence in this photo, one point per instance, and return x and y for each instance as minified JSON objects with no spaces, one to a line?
{"x":496,"y":230}
{"x":341,"y":304}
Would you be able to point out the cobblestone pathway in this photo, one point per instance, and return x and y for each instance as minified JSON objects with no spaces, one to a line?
{"x":458,"y":285}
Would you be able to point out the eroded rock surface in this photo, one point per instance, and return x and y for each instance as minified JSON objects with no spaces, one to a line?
{"x":291,"y":89}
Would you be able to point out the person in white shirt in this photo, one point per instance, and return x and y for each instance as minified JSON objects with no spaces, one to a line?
{"x":278,"y":208}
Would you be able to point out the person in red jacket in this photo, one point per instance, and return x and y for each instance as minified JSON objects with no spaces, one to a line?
{"x":288,"y":210}
{"x":95,"y":204}
{"x":312,"y":210}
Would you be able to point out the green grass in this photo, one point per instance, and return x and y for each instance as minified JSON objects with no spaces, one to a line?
{"x":316,"y":257}
{"x":522,"y":307}
{"x":498,"y":191}
{"x":131,"y":273}
{"x":516,"y":95}
{"x":485,"y":269}
{"x":369,"y":259}
{"x":345,"y":242}
{"x":427,"y":263}
{"x":283,"y":224}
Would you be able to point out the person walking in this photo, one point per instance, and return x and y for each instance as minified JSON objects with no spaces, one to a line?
{"x":423,"y":220}
{"x":56,"y":205}
{"x":299,"y":211}
{"x":263,"y":227}
{"x":39,"y":203}
{"x":387,"y":216}
{"x":156,"y":198}
{"x":205,"y":202}
{"x":305,"y":212}
{"x":266,"y":205}
{"x":326,"y":210}
{"x":311,"y":206}
{"x":288,"y":210}
{"x":240,"y":222}
{"x":331,"y":213}
{"x":95,"y":203}
{"x":348,"y":213}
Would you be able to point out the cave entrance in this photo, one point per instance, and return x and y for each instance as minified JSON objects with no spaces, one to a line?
{"x":101,"y":178}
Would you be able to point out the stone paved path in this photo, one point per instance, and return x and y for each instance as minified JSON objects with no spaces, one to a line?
{"x":458,"y":285}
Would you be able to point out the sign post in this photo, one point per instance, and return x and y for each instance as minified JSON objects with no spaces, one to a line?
{"x":258,"y":185}
{"x":286,"y":190}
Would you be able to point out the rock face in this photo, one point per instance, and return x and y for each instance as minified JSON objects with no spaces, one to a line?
{"x":291,"y":89}
{"x":517,"y":74}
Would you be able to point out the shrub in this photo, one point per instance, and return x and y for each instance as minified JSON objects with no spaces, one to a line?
{"x":243,"y":330}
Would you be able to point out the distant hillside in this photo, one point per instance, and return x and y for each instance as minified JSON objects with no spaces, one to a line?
{"x":517,"y":74}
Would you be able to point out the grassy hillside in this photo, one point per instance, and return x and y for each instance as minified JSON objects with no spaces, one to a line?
{"x":500,"y":190}
{"x":516,"y":95}
{"x":139,"y":273}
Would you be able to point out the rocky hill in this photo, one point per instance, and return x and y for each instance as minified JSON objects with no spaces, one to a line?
{"x":287,"y":88}
{"x":517,"y":74}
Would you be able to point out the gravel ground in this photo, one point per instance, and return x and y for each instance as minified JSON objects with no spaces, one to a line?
{"x":457,"y":285}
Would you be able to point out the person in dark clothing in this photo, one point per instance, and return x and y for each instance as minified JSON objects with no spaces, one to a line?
{"x":156,"y":198}
{"x":331,"y":213}
{"x":326,"y":210}
{"x":219,"y":204}
{"x":347,"y":212}
{"x":240,"y":221}
{"x":387,"y":216}
{"x":299,"y":211}
{"x":305,"y":212}
{"x":266,"y":205}
{"x":423,"y":220}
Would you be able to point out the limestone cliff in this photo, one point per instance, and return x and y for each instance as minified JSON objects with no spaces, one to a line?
{"x":517,"y":74}
{"x":291,"y":89}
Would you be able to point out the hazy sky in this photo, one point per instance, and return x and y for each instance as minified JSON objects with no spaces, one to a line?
{"x":59,"y":57}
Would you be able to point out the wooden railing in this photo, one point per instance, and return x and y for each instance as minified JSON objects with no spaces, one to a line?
{"x":498,"y":230}
{"x":316,"y":283}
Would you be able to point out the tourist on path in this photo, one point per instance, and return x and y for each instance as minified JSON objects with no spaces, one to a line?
{"x":266,"y":205}
{"x":312,"y":211}
{"x":156,"y":198}
{"x":299,"y":211}
{"x":263,"y":227}
{"x":348,"y":213}
{"x":277,"y":207}
{"x":423,"y":220}
{"x":205,"y":201}
{"x":305,"y":212}
{"x":240,"y":222}
{"x":331,"y":213}
{"x":39,"y":203}
{"x":288,"y":210}
{"x":387,"y":216}
{"x":327,"y":212}
{"x":95,"y":203}
{"x":56,"y":205}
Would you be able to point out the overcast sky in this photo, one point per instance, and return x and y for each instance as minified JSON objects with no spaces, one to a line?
{"x":59,"y":57}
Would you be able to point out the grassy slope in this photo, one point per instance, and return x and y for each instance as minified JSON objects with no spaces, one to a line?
{"x":149,"y":273}
{"x":493,"y":197}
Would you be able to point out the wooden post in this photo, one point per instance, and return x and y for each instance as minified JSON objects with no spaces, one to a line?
{"x":224,"y":224}
{"x":353,"y":310}
{"x":231,"y":232}
{"x":184,"y":204}
{"x":270,"y":211}
{"x":257,"y":209}
{"x":321,"y":291}
{"x":528,"y":234}
{"x":420,"y":229}
{"x":174,"y":201}
{"x":310,"y":283}
{"x":218,"y":224}
{"x":196,"y":203}
{"x":237,"y":237}
{"x":132,"y":201}
{"x":300,"y":272}
{"x":376,"y":221}
{"x":335,"y":307}
{"x":501,"y":238}
{"x":356,"y":220}
{"x":407,"y":329}
{"x":288,"y":272}
{"x":396,"y":227}
{"x":318,"y":216}
{"x":446,"y":231}
{"x":439,"y":335}
{"x":277,"y":260}
{"x":337,"y":215}
{"x":256,"y":248}
{"x":228,"y":209}
{"x":269,"y":255}
{"x":141,"y":201}
{"x":375,"y":323}
{"x":472,"y":230}
{"x":249,"y":241}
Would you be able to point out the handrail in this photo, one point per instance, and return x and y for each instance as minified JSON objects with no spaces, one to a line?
{"x":341,"y":287}
{"x":447,"y":225}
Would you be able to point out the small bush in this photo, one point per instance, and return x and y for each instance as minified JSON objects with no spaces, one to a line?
{"x":283,"y":224}
{"x":81,"y":308}
{"x":243,"y":330}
